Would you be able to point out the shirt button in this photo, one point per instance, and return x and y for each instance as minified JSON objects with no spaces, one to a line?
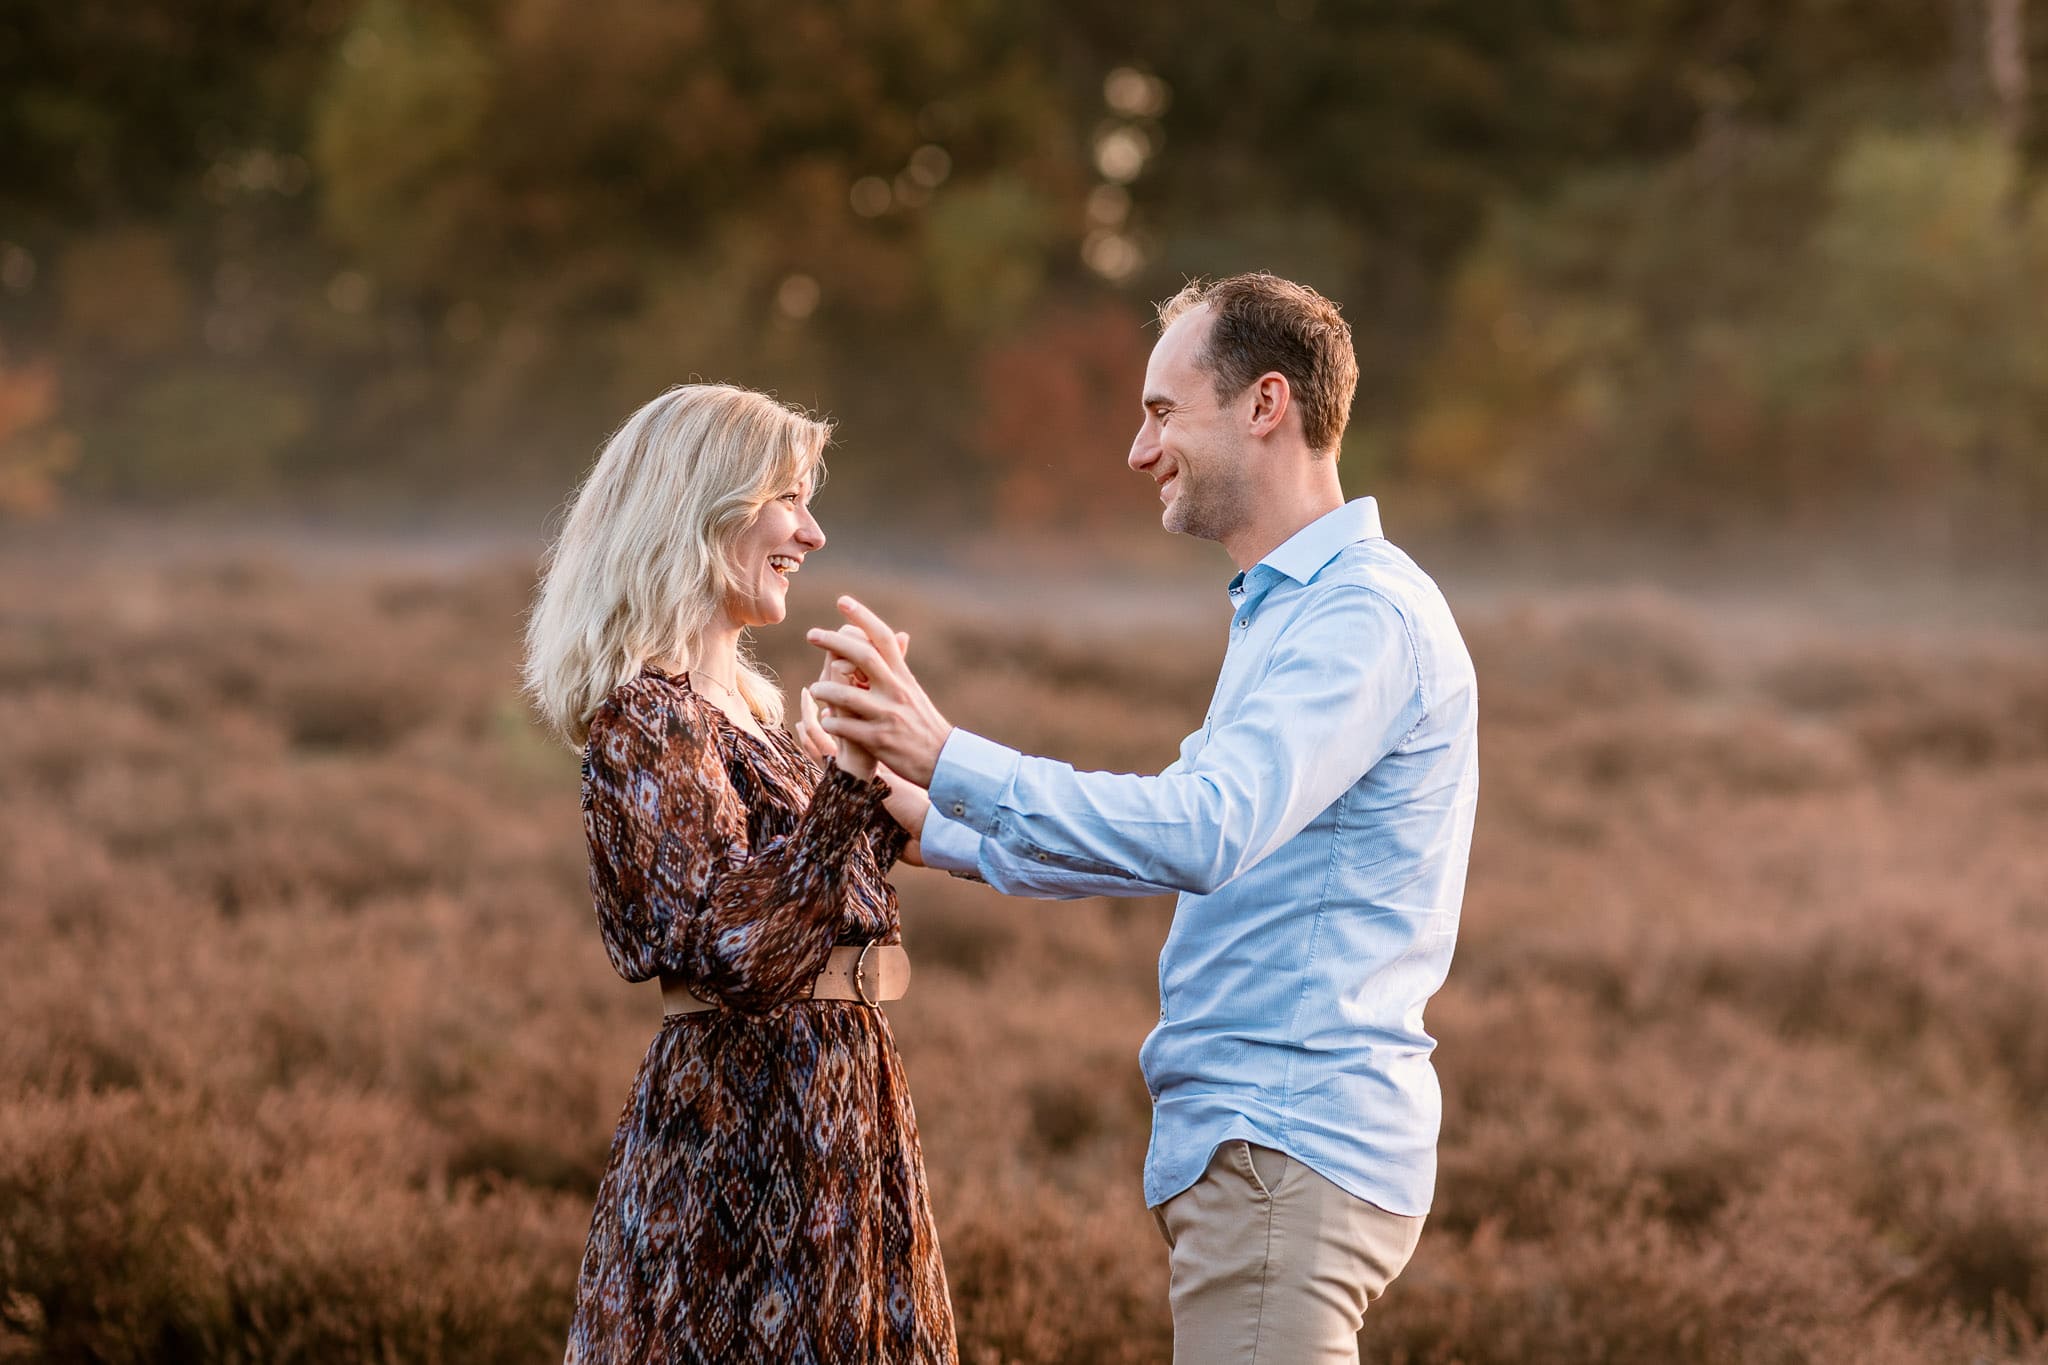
{"x":959,"y":808}
{"x":1041,"y":857}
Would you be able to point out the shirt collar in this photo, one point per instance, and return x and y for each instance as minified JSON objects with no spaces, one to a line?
{"x":1302,"y":555}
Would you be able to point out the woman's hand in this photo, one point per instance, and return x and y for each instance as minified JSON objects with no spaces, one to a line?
{"x":809,"y":733}
{"x":850,"y":757}
{"x":908,"y":804}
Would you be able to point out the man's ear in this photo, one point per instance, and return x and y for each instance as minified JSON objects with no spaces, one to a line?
{"x":1271,"y":397}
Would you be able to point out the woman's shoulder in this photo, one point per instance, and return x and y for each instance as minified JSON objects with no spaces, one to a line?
{"x":652,"y":704}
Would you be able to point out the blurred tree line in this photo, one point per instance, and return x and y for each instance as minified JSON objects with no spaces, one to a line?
{"x":1704,"y":263}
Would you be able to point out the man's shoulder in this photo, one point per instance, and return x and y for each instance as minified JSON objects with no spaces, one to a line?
{"x":1383,"y":569}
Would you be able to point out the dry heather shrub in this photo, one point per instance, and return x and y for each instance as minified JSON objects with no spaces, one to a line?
{"x":308,"y":1049}
{"x":144,"y":1228}
{"x":1036,"y":1275}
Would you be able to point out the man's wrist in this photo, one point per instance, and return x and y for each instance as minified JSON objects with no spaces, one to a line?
{"x":930,"y":759}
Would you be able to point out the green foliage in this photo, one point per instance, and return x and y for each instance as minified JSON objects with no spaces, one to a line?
{"x":985,"y":250}
{"x":395,"y":133}
{"x":472,"y":232}
{"x":1788,"y":324}
{"x":211,"y":431}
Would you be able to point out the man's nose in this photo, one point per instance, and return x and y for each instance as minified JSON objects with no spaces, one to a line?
{"x":1144,"y":450}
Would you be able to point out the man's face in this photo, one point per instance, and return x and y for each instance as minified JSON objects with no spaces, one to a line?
{"x":1192,"y":446}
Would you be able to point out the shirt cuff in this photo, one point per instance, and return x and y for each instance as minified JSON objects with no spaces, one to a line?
{"x":949,"y":845}
{"x":970,"y":779}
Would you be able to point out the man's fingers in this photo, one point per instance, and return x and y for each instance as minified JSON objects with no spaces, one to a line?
{"x":843,"y":698}
{"x":856,"y":649}
{"x":866,"y":733}
{"x":878,"y":630}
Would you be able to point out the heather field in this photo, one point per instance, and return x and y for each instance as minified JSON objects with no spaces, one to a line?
{"x":309,"y":1052}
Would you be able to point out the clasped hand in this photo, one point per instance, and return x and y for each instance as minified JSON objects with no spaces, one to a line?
{"x":868,"y":713}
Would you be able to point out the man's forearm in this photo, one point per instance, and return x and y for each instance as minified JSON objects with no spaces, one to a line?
{"x":951,"y":846}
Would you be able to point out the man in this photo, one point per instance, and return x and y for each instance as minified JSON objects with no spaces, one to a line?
{"x":1316,"y":829}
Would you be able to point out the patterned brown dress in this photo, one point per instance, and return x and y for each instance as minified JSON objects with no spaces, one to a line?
{"x":765,"y":1198}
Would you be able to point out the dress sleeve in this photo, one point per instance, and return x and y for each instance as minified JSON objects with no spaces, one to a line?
{"x":886,"y":838}
{"x":677,"y":890}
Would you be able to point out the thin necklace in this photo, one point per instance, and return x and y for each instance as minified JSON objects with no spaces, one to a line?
{"x":727,"y":688}
{"x":749,"y":726}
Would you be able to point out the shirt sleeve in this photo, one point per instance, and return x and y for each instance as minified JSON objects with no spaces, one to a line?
{"x":1341,"y":691}
{"x":951,"y":846}
{"x":678,"y":891}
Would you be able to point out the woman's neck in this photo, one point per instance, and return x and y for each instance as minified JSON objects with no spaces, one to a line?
{"x":717,"y":654}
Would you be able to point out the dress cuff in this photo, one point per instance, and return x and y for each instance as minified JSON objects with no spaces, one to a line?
{"x":843,"y":805}
{"x":887,"y":839}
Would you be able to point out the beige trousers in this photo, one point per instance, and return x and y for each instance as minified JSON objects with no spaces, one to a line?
{"x":1273,"y":1264}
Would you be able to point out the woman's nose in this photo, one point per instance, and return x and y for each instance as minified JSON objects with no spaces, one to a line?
{"x":809,"y":533}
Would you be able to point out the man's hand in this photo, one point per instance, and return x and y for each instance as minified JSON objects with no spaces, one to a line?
{"x":809,"y":733}
{"x":891,"y":717}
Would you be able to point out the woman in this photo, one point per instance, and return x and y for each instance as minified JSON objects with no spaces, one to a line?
{"x":765,"y":1197}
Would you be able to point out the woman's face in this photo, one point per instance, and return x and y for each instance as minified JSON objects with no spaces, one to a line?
{"x":769,"y":551}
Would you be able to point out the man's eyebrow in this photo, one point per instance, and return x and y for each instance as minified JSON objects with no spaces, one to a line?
{"x":1157,"y":400}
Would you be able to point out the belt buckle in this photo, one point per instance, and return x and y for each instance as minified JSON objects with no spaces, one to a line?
{"x":860,"y":981}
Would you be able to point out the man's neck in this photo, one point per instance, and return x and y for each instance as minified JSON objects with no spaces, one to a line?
{"x":1277,"y":525}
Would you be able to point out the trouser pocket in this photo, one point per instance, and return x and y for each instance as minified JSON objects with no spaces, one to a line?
{"x":1265,"y":1167}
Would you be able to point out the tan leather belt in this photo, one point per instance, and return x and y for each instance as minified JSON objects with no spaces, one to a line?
{"x":869,"y":973}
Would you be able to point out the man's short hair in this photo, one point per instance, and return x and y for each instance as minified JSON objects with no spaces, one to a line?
{"x":1262,"y":323}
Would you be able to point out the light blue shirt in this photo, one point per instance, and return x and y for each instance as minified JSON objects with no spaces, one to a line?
{"x":1316,"y":829}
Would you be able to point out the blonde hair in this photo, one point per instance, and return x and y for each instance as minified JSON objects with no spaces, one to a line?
{"x":641,"y":566}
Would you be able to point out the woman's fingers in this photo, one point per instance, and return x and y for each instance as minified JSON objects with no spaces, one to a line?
{"x":810,"y":731}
